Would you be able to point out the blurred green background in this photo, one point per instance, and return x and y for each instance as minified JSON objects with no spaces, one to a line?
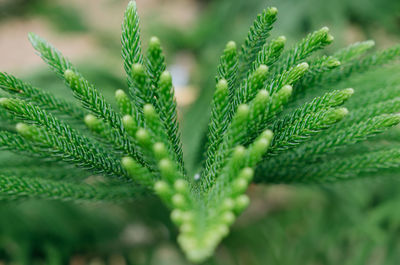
{"x":347,"y":223}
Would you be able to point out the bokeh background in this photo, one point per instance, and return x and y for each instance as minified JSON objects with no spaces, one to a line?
{"x":347,"y":223}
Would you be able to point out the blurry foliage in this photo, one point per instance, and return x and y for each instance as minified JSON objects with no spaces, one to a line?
{"x":358,"y":224}
{"x":63,"y":17}
{"x":206,"y":38}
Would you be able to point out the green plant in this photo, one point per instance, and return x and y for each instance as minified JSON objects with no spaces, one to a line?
{"x":274,"y":118}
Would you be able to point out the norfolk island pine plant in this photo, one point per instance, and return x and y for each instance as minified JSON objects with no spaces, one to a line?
{"x":276,"y":117}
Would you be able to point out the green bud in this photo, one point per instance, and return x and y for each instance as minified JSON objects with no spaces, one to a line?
{"x":281,"y":39}
{"x":222,"y":85}
{"x":166,"y":78}
{"x":260,"y":75}
{"x":27,"y":131}
{"x":389,"y":120}
{"x":332,"y":62}
{"x":131,"y":6}
{"x":261,"y":98}
{"x":186,"y":241}
{"x":228,"y":217}
{"x":323,"y":35}
{"x":221,"y":93}
{"x":154,"y":43}
{"x":177,"y":216}
{"x":303,"y":67}
{"x":186,"y":228}
{"x":197,"y":255}
{"x":341,"y":96}
{"x":281,"y":97}
{"x":273,"y":11}
{"x":187,"y":216}
{"x":120,"y":95}
{"x":162,"y":188}
{"x":167,"y":169}
{"x":124,"y":103}
{"x":160,"y":151}
{"x":241,"y":203}
{"x":238,"y":154}
{"x":143,"y":137}
{"x":181,"y":186}
{"x":139,"y":75}
{"x":130,"y":125}
{"x":285,"y":91}
{"x":334,"y":115}
{"x":247,"y":173}
{"x":70,"y":75}
{"x":178,"y":200}
{"x":149,"y":112}
{"x":138,"y":69}
{"x":240,"y":185}
{"x":222,"y":230}
{"x":73,"y":79}
{"x":347,"y":93}
{"x":228,"y":204}
{"x":259,"y":147}
{"x":267,"y":134}
{"x":5,"y":102}
{"x":324,"y":30}
{"x":129,"y":164}
{"x":231,"y":46}
{"x":93,"y":123}
{"x":242,"y":113}
{"x":329,"y":38}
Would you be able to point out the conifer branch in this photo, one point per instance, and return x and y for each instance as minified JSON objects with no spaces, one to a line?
{"x":313,"y":42}
{"x":17,"y":188}
{"x":155,"y":62}
{"x":130,"y":39}
{"x":228,"y":67}
{"x":57,"y":135}
{"x":341,"y":169}
{"x":43,"y":99}
{"x":167,"y":107}
{"x":256,"y":38}
{"x":314,"y":150}
{"x":252,"y":134}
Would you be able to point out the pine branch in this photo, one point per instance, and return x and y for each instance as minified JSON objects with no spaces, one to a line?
{"x":13,"y":142}
{"x":17,"y":188}
{"x":65,"y":141}
{"x":362,"y":113}
{"x":219,"y":121}
{"x":342,"y":169}
{"x":318,"y":68}
{"x":360,"y":66}
{"x":270,"y":53}
{"x":314,"y":150}
{"x":155,"y":62}
{"x":51,"y":172}
{"x":313,"y":42}
{"x":256,"y":38}
{"x":167,"y":107}
{"x":287,"y":77}
{"x":292,"y":134}
{"x":90,"y":98}
{"x":130,"y":39}
{"x":51,"y":55}
{"x":43,"y":99}
{"x":253,"y":133}
{"x":228,"y":67}
{"x":354,"y":51}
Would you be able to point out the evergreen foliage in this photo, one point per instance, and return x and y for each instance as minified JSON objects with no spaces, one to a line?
{"x":275,"y":118}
